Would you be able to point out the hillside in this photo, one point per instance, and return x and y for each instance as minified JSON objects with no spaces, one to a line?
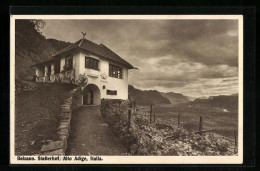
{"x":175,"y":98}
{"x":191,"y":98}
{"x":146,"y":97}
{"x":36,"y":116}
{"x":32,"y":47}
{"x":223,"y":101}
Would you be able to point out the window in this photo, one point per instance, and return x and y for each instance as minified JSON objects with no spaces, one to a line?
{"x":115,"y":71}
{"x":111,"y":92}
{"x":91,"y":63}
{"x":49,"y":70}
{"x":68,"y":63}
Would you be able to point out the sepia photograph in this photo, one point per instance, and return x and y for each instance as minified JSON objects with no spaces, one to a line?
{"x":133,"y":89}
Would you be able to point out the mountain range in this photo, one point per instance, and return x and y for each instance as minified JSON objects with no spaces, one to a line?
{"x":223,"y":101}
{"x":176,"y":98}
{"x":146,"y":97}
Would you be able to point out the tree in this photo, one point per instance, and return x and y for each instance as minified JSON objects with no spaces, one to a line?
{"x":38,"y":24}
{"x":83,"y":81}
{"x":29,"y":25}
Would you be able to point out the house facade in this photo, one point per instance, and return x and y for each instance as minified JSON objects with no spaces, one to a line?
{"x":105,"y":71}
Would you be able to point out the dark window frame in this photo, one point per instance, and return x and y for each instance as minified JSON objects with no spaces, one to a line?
{"x":115,"y":71}
{"x":49,"y":70}
{"x":92,"y":63}
{"x":57,"y":67}
{"x":112,"y":92}
{"x":69,"y":62}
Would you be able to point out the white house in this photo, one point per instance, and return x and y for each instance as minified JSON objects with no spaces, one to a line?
{"x":107,"y":73}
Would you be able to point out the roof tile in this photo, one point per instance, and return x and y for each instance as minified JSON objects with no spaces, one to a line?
{"x":100,"y":50}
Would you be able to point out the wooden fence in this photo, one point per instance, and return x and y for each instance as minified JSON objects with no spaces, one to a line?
{"x":134,"y":109}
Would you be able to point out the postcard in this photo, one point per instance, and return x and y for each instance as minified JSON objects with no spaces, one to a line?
{"x":126,"y":89}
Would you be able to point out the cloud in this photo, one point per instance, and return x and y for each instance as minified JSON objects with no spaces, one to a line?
{"x":188,"y":56}
{"x":203,"y":87}
{"x":207,"y":42}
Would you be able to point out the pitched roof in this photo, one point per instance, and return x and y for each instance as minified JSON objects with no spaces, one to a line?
{"x":42,"y":62}
{"x":100,"y":50}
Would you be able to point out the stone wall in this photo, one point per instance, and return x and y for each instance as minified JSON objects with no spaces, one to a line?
{"x":69,"y":104}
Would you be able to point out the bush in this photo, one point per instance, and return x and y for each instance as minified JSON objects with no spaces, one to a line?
{"x":142,"y":138}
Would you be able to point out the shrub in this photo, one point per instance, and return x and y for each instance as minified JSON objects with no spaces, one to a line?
{"x":159,"y":138}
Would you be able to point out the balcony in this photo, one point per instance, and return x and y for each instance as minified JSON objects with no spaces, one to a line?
{"x":65,"y":76}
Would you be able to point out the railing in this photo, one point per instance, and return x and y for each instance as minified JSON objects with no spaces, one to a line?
{"x":39,"y":79}
{"x":43,"y":79}
{"x":65,"y":76}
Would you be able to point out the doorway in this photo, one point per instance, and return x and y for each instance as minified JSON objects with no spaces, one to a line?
{"x":88,"y":99}
{"x":91,"y":95}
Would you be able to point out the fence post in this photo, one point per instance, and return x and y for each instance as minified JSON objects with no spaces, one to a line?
{"x":179,"y":119}
{"x":129,"y":115}
{"x":200,"y":126}
{"x":151,"y":112}
{"x":235,"y":138}
{"x":154,"y":117}
{"x":134,"y":107}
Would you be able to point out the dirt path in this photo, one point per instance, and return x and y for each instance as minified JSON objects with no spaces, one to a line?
{"x":90,"y":135}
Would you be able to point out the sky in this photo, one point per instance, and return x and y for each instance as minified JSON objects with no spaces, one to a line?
{"x":197,"y":58}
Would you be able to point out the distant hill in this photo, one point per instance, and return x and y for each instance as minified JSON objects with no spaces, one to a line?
{"x":32,"y":47}
{"x":146,"y":97}
{"x":223,"y":101}
{"x":175,"y":98}
{"x":191,"y":98}
{"x":202,"y":97}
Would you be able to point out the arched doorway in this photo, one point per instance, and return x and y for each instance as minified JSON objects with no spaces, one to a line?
{"x":91,"y":95}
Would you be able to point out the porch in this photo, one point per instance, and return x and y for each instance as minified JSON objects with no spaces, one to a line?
{"x":51,"y":72}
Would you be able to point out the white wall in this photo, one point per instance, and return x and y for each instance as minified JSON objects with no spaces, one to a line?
{"x":111,"y":83}
{"x":76,"y":63}
{"x":52,"y":68}
{"x":62,"y":63}
{"x":39,"y":72}
{"x":45,"y":70}
{"x":120,"y":85}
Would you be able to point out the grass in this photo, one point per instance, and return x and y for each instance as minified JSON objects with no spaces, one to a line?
{"x":35,"y":115}
{"x":223,"y":123}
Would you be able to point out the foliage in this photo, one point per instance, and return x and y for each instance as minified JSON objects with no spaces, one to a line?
{"x":159,"y":138}
{"x":83,"y":80}
{"x":38,"y":24}
{"x":32,"y":47}
{"x":65,"y":76}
